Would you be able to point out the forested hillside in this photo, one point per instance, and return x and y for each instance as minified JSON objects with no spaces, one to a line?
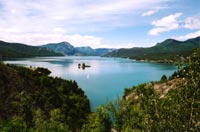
{"x":169,"y":50}
{"x":16,"y":50}
{"x":31,"y":101}
{"x":169,"y":105}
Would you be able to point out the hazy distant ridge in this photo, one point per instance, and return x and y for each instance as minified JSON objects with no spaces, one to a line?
{"x":68,"y":49}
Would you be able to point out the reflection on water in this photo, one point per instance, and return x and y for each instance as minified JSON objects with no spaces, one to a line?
{"x":106,"y":78}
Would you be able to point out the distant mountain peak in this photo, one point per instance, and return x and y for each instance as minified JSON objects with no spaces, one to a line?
{"x":68,"y":49}
{"x":61,"y":47}
{"x":168,"y":42}
{"x":64,"y":42}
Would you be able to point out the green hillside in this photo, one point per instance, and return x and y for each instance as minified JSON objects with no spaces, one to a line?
{"x":31,"y":101}
{"x":16,"y":50}
{"x":168,"y":50}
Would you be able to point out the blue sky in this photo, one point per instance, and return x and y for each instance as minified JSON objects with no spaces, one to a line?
{"x":99,"y":23}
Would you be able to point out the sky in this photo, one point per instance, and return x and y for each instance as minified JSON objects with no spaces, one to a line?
{"x":99,"y":23}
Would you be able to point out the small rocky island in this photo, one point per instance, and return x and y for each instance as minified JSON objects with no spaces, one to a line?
{"x":83,"y":66}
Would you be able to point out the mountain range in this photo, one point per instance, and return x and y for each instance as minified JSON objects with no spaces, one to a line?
{"x":68,"y":49}
{"x":168,"y":50}
{"x":17,"y":50}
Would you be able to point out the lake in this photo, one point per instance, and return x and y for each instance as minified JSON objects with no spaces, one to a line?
{"x":106,"y":78}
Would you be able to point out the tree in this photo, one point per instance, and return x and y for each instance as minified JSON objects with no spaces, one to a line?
{"x":98,"y":121}
{"x":163,"y":78}
{"x":42,"y":103}
{"x":15,"y":124}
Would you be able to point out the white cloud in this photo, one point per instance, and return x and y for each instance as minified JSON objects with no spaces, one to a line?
{"x":167,"y":23}
{"x":188,"y":36}
{"x":192,"y":23}
{"x":74,"y":16}
{"x":149,"y":13}
{"x":153,"y":11}
{"x":43,"y":21}
{"x":59,"y":30}
{"x":124,"y":45}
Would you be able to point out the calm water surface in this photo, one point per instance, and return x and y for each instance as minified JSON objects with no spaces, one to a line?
{"x":106,"y":78}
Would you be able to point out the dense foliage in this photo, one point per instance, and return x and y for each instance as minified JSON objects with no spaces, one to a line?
{"x":32,"y":101}
{"x":147,"y":110}
{"x":98,"y":121}
{"x":16,"y":50}
{"x":168,"y":51}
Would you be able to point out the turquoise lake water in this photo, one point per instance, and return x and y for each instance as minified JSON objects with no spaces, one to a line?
{"x":106,"y":78}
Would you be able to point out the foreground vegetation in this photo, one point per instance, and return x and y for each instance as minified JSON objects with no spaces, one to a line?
{"x":148,"y":110}
{"x":31,"y":101}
